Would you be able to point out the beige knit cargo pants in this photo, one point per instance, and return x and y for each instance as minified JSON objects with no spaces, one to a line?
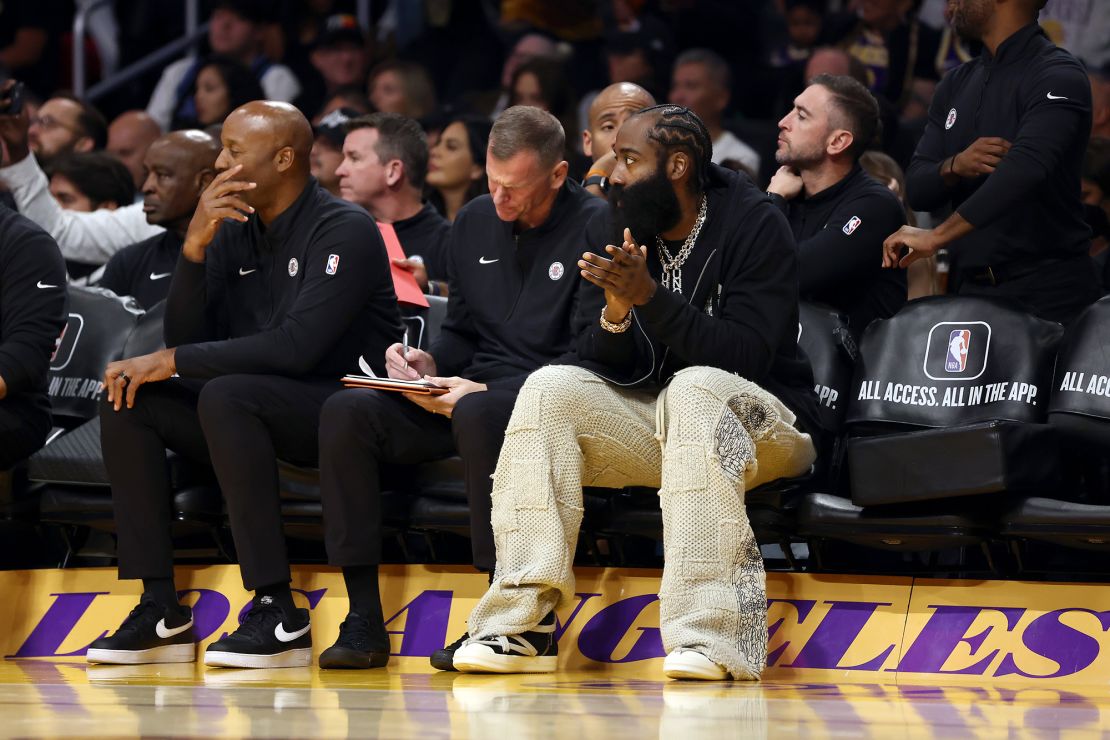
{"x":707,"y":438}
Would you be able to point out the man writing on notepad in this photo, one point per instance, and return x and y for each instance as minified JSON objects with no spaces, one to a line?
{"x":516,"y":303}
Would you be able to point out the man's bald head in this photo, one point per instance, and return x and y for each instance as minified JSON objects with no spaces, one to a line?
{"x":608,"y":111}
{"x":178,"y":167}
{"x":272,"y":141}
{"x":129,"y":136}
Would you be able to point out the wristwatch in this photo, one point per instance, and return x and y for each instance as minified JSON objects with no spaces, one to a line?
{"x":600,"y":180}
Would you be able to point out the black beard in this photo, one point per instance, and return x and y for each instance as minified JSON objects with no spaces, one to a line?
{"x":647,"y":208}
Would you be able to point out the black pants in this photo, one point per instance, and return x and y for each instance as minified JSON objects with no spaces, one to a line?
{"x":23,"y":429}
{"x":360,"y":429}
{"x":1057,"y":292}
{"x":238,"y":424}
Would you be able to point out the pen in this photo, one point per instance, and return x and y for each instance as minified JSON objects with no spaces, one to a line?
{"x":405,"y":347}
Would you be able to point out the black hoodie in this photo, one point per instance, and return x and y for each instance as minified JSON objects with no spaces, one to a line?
{"x":739,"y":311}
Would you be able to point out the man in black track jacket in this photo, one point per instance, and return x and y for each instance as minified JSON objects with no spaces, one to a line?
{"x":838,"y":213}
{"x":279,"y":288}
{"x":515,"y":304}
{"x":32,"y":315}
{"x":1004,"y":146}
{"x":693,"y":383}
{"x":179,"y":166}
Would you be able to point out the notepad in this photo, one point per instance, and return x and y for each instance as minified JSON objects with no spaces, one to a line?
{"x":392,"y":384}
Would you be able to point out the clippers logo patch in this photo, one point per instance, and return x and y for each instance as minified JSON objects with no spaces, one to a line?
{"x":67,"y":342}
{"x":853,"y":224}
{"x":293,"y":267}
{"x":951,"y":120}
{"x":958,"y":342}
{"x":957,"y":350}
{"x":333,"y":264}
{"x":555,"y":271}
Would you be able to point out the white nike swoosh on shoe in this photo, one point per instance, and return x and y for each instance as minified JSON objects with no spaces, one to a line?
{"x":281,"y":634}
{"x":484,"y":261}
{"x":1056,"y":97}
{"x":43,"y":286}
{"x":247,"y":272}
{"x":159,"y":275}
{"x":165,"y":632}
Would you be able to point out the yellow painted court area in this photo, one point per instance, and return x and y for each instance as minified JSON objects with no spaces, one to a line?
{"x":856,"y":656}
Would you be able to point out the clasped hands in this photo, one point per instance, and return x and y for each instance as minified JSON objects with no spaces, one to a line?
{"x":623,"y":275}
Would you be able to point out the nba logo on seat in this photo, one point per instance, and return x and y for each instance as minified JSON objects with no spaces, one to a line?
{"x":958,"y":342}
{"x":957,"y":350}
{"x":66,"y":342}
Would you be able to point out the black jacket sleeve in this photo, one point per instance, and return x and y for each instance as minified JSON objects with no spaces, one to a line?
{"x":1048,"y":128}
{"x":323,"y":310}
{"x":831,"y":256}
{"x":759,"y":294}
{"x":194,"y":306}
{"x":925,"y":188}
{"x":457,"y":341}
{"x":32,"y":305}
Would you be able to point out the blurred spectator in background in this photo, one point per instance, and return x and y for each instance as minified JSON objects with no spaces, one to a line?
{"x":130,"y":135}
{"x":921,"y":276}
{"x":221,"y":85}
{"x":235,"y":31}
{"x":1100,"y":103}
{"x":385,"y":161}
{"x":640,"y":50}
{"x":609,"y":110}
{"x":86,"y":181}
{"x":804,"y":19}
{"x":340,"y":58}
{"x":702,"y":82}
{"x":327,"y":147}
{"x":526,"y":48}
{"x":403,"y":88}
{"x":542,"y":83}
{"x":457,"y":165}
{"x":30,"y":33}
{"x":347,"y":97}
{"x":1095,"y":191}
{"x":899,"y":52}
{"x":64,"y":125}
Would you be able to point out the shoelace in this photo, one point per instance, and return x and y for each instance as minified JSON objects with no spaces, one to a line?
{"x":131,"y":624}
{"x":514,"y":643}
{"x":252,"y":624}
{"x":356,"y":631}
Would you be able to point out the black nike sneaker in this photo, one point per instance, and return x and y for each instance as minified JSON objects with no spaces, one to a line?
{"x":534,"y":651}
{"x":444,"y":658}
{"x":263,"y":640}
{"x":150,"y":634}
{"x":356,"y":647}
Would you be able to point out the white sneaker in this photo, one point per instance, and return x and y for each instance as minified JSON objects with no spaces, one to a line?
{"x":686,"y":663}
{"x":534,"y":651}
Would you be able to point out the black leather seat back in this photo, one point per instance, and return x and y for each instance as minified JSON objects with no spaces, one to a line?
{"x":147,"y":335}
{"x":824,"y":336}
{"x":1080,"y":403}
{"x":948,"y":361}
{"x":96,"y":331}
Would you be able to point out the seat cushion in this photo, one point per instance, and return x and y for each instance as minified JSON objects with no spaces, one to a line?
{"x":1065,"y":523}
{"x":909,"y":527}
{"x":984,"y":458}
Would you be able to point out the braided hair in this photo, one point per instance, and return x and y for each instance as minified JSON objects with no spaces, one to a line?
{"x":678,"y":127}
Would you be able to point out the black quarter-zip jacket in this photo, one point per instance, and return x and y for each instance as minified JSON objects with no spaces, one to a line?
{"x":143,"y":270}
{"x":1036,"y":96}
{"x":301,"y":297}
{"x":840,"y":233}
{"x":32,"y":308}
{"x":517,"y":300}
{"x":738,"y":312}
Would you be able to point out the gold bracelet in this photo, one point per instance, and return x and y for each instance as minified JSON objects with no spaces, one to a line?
{"x":612,"y":328}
